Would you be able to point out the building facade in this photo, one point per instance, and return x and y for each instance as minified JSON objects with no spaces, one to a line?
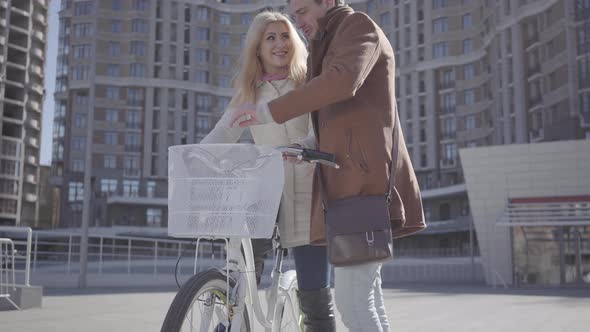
{"x":136,"y":76}
{"x":23,"y":27}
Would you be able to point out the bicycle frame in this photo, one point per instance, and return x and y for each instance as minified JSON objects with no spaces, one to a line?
{"x":245,"y":292}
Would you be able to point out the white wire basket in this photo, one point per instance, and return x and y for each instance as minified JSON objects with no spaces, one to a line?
{"x":223,"y":190}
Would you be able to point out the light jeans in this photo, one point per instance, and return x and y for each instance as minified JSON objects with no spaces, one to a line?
{"x":359,"y":298}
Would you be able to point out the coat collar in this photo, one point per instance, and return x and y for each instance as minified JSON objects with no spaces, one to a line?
{"x":332,"y":19}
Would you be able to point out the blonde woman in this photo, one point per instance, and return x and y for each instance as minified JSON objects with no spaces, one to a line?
{"x":273,"y":63}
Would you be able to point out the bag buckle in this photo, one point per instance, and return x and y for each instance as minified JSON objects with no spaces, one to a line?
{"x":371,"y":241}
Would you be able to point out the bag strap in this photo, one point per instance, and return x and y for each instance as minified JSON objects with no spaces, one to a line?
{"x":392,"y":172}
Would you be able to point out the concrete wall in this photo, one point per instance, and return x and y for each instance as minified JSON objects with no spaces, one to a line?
{"x":494,"y":174}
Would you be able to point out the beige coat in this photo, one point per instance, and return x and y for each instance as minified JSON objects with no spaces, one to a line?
{"x":294,"y":214}
{"x":352,"y":96}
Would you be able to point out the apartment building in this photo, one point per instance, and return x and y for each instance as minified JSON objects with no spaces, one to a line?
{"x":23,"y":27}
{"x":136,"y":76}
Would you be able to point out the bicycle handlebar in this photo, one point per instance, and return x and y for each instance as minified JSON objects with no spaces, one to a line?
{"x":310,"y":155}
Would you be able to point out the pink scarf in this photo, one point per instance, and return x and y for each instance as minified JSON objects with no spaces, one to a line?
{"x":275,"y":77}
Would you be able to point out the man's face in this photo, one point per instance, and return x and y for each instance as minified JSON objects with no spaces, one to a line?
{"x":306,"y":14}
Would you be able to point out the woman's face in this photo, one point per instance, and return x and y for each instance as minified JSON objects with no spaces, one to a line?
{"x":275,"y":48}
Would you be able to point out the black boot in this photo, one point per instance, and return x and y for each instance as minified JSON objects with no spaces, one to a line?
{"x":318,"y":311}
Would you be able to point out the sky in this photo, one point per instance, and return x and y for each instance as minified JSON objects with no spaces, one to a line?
{"x":50,"y":61}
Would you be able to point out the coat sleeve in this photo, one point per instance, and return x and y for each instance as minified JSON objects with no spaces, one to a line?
{"x":223,"y":133}
{"x":351,"y":56}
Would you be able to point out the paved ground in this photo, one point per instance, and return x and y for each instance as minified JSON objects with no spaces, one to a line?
{"x":412,"y":308}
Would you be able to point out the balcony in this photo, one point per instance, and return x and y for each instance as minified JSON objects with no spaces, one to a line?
{"x":40,"y":18}
{"x":448,"y":110}
{"x":536,"y":135}
{"x":31,"y":160}
{"x":35,"y":106}
{"x":32,"y":141}
{"x":532,"y":41}
{"x":534,"y":70}
{"x":30,"y":178}
{"x":34,"y":123}
{"x":447,"y":162}
{"x":535,"y":102}
{"x":31,"y":198}
{"x":447,"y":85}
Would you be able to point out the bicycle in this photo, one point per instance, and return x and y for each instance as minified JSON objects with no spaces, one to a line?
{"x":229,"y":295}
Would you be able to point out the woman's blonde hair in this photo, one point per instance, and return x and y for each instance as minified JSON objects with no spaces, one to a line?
{"x":250,"y":68}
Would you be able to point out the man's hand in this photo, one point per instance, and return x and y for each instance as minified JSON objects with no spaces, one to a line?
{"x":247,"y":115}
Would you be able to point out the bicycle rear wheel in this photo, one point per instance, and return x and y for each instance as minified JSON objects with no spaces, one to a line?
{"x":200,"y":305}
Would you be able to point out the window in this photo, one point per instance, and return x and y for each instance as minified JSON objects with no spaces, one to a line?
{"x":141,"y":5}
{"x":151,"y":189}
{"x":114,"y":49}
{"x":224,"y":19}
{"x":203,"y":123}
{"x":78,"y":165}
{"x":109,"y":161}
{"x":469,"y":96}
{"x":468,"y":71}
{"x":82,"y":29}
{"x":112,"y":92}
{"x":137,"y":70}
{"x":116,"y":26}
{"x":224,"y":81}
{"x":80,"y":72}
{"x":108,"y":186}
{"x":467,"y":22}
{"x":202,"y":76}
{"x":80,"y":120}
{"x":132,"y":140}
{"x":130,"y":188}
{"x":110,"y":138}
{"x":470,"y":122}
{"x":224,"y":60}
{"x":385,"y":19}
{"x":246,"y":19}
{"x":133,"y":120}
{"x":224,"y":40}
{"x":82,"y":51}
{"x":131,"y":166}
{"x":440,"y":25}
{"x":202,"y":103}
{"x":138,"y":48}
{"x":139,"y":26}
{"x":81,"y":98}
{"x":82,"y":8}
{"x":445,"y":211}
{"x":114,"y":70}
{"x":79,"y":143}
{"x":437,"y":4}
{"x":202,"y":13}
{"x":440,"y":50}
{"x":75,"y":192}
{"x":135,"y":96}
{"x":202,"y":55}
{"x":202,"y":34}
{"x":112,"y":116}
{"x":154,"y":217}
{"x":450,"y":153}
{"x":467,"y":46}
{"x":116,"y":4}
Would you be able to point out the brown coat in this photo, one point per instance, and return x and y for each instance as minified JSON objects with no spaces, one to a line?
{"x":352,"y":96}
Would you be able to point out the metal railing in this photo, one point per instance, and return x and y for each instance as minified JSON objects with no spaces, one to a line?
{"x":26,"y":270}
{"x":7,"y":273}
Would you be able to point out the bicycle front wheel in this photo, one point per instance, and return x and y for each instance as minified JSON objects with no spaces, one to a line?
{"x":201,"y":306}
{"x":288,"y":317}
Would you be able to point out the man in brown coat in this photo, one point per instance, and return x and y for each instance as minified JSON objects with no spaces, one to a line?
{"x":351,"y":97}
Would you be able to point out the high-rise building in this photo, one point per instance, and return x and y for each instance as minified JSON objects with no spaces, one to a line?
{"x":477,"y":73}
{"x":23,"y":26}
{"x":133,"y":78}
{"x":136,"y":76}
